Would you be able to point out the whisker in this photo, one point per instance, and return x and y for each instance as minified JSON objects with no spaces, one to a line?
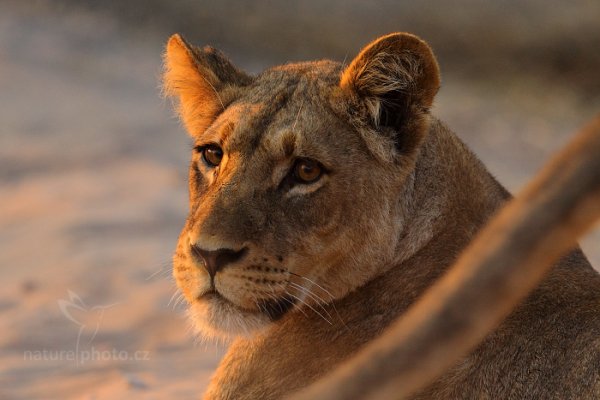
{"x":277,"y":299}
{"x":309,"y":306}
{"x":328,"y":293}
{"x":216,"y":93}
{"x":179,"y":300}
{"x":298,"y":115}
{"x":319,"y":301}
{"x":175,"y":294}
{"x":345,"y":59}
{"x":314,"y":283}
{"x":164,"y":269}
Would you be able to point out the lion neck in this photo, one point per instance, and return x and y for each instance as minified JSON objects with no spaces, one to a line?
{"x":449,"y":195}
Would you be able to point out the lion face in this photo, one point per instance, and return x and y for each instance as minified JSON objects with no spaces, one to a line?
{"x":294,"y":187}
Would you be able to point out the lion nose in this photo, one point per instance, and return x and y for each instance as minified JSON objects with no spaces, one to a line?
{"x":215,"y":260}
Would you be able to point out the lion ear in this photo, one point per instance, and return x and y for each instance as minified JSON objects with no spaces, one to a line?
{"x":395,"y":78}
{"x":196,"y":78}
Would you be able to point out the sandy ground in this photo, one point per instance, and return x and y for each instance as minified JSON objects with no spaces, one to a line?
{"x":93,"y":194}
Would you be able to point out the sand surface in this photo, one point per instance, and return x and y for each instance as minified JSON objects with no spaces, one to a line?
{"x":93,"y":194}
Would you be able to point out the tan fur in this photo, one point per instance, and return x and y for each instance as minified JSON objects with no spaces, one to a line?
{"x":400,"y":198}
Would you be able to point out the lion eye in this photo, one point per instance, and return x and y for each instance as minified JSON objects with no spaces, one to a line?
{"x":307,"y":171}
{"x":212,"y":155}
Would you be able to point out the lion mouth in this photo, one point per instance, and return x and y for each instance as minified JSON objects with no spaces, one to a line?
{"x":273,"y":309}
{"x":212,"y":294}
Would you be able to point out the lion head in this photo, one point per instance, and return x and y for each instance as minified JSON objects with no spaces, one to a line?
{"x":296,"y":177}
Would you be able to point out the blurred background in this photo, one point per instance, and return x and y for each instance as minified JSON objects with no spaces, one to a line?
{"x":93,"y":165}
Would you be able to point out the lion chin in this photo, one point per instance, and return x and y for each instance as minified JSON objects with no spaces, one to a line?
{"x":215,"y":318}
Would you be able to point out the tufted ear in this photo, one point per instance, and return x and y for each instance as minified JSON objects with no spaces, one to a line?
{"x":394,"y":79}
{"x":198,"y":78}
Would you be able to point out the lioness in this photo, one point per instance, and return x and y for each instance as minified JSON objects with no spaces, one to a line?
{"x":324,"y":199}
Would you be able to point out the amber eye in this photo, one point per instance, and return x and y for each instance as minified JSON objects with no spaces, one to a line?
{"x":212,"y":155}
{"x":307,"y":171}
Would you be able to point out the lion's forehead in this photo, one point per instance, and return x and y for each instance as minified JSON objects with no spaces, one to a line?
{"x":291,"y":118}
